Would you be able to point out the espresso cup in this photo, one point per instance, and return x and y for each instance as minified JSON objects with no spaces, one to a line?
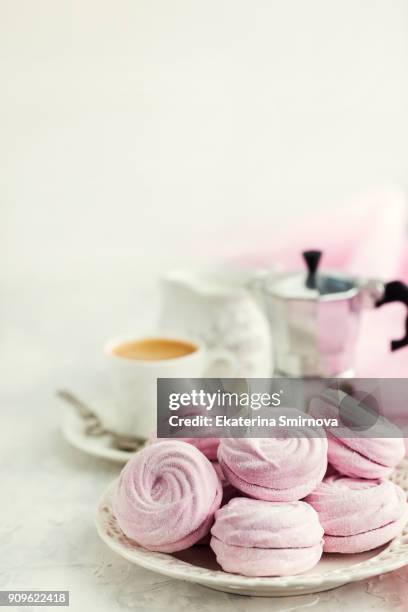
{"x":135,"y":364}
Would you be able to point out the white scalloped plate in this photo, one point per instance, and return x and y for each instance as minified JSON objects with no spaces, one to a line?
{"x":198,"y":563}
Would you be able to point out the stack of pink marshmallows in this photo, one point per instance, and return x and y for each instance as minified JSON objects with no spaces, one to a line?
{"x":271,"y":506}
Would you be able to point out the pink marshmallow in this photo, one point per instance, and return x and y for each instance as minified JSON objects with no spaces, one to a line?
{"x":349,"y":457}
{"x":167,"y":496}
{"x":360,"y":457}
{"x":357,"y":514}
{"x":254,"y":523}
{"x":228,"y":490}
{"x":208,"y":446}
{"x":274,"y":469}
{"x":260,"y":538}
{"x":265,"y":561}
{"x":366,"y":540}
{"x":347,"y":506}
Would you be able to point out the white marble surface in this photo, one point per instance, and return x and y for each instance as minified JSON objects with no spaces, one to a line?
{"x":49,"y":491}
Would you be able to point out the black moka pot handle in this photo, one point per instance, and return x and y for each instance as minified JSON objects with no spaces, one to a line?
{"x":396,"y":291}
{"x":312,"y":260}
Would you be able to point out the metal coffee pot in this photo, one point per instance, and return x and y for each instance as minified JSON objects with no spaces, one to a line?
{"x":314,"y":316}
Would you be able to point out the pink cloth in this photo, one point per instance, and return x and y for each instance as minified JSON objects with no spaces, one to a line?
{"x":258,"y":538}
{"x":275,"y":469}
{"x":350,"y":506}
{"x":167,"y":496}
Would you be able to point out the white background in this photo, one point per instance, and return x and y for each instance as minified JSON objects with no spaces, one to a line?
{"x":128,"y":125}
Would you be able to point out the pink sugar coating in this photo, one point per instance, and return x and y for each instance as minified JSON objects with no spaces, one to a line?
{"x":274,"y":469}
{"x":166,"y":496}
{"x":220,"y":473}
{"x":259,"y":538}
{"x":367,"y":540}
{"x":265,"y":561}
{"x":365,"y":457}
{"x":351,"y":462}
{"x":228,"y":490}
{"x":208,"y":446}
{"x":350,"y":506}
{"x":254,"y":523}
{"x":269,"y":494}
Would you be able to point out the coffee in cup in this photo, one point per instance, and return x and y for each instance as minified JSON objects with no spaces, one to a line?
{"x":135,"y":364}
{"x":154,"y":349}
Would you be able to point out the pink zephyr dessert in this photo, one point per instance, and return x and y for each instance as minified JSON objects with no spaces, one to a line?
{"x":166,"y":496}
{"x":208,"y":446}
{"x":356,"y":514}
{"x":373,"y":455}
{"x":284,"y":468}
{"x":258,"y":538}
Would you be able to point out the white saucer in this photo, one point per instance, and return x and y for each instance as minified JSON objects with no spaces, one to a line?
{"x":72,"y":427}
{"x":198,"y":563}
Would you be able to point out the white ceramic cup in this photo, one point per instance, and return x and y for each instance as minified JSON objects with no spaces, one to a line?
{"x":134,"y":381}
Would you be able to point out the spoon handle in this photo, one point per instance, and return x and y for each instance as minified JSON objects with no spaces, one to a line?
{"x":83,"y":410}
{"x":94,"y":425}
